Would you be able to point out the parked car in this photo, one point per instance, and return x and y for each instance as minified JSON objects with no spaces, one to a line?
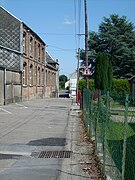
{"x":64,"y":94}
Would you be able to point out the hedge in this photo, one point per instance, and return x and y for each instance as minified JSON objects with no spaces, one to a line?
{"x":120,"y":86}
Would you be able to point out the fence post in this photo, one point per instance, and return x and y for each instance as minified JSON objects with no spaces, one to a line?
{"x":91,"y":114}
{"x":105,"y":124}
{"x":125,"y":136}
{"x":97,"y":117}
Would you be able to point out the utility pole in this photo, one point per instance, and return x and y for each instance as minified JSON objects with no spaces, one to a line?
{"x":86,"y":40}
{"x":77,"y":74}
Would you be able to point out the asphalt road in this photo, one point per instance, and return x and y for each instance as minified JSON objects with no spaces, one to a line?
{"x":32,"y":127}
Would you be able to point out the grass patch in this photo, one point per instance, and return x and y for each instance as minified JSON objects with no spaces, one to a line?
{"x":115,"y":138}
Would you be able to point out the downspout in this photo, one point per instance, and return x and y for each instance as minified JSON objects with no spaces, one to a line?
{"x":4,"y":86}
{"x":44,"y":85}
{"x":21,"y":59}
{"x":57,"y":78}
{"x":45,"y":82}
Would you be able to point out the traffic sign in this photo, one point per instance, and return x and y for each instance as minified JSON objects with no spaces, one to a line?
{"x":87,"y":72}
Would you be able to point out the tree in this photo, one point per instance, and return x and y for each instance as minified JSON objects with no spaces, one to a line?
{"x":103,"y":72}
{"x":116,"y":37}
{"x":62,"y":80}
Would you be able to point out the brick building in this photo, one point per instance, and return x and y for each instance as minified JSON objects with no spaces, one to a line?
{"x":33,"y":76}
{"x":52,"y":76}
{"x":26,"y":70}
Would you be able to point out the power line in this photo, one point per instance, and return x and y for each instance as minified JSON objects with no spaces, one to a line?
{"x":58,"y":34}
{"x":61,"y":49}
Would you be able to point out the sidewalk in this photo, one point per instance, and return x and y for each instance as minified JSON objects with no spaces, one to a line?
{"x":83,"y":163}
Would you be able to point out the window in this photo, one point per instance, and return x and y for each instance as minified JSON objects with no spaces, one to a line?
{"x":43,"y":55}
{"x":35,"y":50}
{"x":48,"y":79}
{"x":31,"y":75}
{"x":39,"y":52}
{"x":35,"y":76}
{"x":38,"y":77}
{"x":25,"y":73}
{"x":42,"y":77}
{"x":31,"y":46}
{"x":24,"y":42}
{"x":46,"y":75}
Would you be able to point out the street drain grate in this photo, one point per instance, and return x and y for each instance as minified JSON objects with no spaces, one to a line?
{"x":52,"y":154}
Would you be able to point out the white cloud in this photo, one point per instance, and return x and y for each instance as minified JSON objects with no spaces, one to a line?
{"x":67,"y":21}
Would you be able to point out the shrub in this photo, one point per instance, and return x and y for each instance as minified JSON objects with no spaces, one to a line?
{"x":120,"y":86}
{"x":82,"y":84}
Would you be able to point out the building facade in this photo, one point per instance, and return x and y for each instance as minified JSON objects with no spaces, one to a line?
{"x":10,"y":58}
{"x":26,"y":70}
{"x":52,"y":76}
{"x":33,"y":74}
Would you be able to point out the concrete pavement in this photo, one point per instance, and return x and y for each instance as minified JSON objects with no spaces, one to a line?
{"x":83,"y":164}
{"x":43,"y":125}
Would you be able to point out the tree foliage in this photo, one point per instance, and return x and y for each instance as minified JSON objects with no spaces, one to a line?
{"x":62,"y":80}
{"x":103,"y":72}
{"x":116,"y":37}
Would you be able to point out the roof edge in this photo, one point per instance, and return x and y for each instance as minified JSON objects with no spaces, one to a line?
{"x":10,"y":13}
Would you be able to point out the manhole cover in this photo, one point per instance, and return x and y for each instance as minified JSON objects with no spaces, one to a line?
{"x":52,"y":154}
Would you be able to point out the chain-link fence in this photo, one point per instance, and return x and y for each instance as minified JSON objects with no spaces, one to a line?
{"x":110,"y":122}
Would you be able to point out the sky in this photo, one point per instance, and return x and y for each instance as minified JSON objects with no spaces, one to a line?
{"x":61,"y":23}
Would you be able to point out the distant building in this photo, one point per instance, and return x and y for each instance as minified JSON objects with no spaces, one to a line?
{"x":67,"y":84}
{"x":73,"y":84}
{"x":26,"y":70}
{"x":52,"y":76}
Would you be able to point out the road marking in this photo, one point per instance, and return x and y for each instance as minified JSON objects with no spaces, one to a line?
{"x":5,"y":111}
{"x":22,"y":106}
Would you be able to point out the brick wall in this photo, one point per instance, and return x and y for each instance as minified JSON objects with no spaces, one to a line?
{"x":33,"y":65}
